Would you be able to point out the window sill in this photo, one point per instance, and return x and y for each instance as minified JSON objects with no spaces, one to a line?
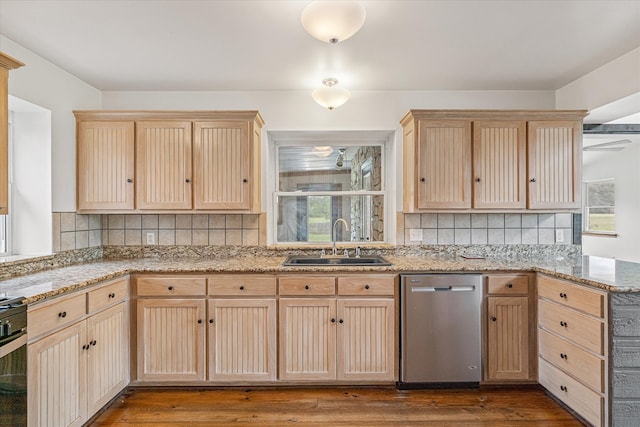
{"x":595,"y":234}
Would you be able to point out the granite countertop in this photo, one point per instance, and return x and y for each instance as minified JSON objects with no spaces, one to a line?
{"x":602,"y":273}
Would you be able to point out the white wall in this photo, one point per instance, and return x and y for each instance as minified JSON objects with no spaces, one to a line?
{"x":610,"y":83}
{"x":624,"y":167}
{"x":31,"y":179}
{"x":48,"y":86}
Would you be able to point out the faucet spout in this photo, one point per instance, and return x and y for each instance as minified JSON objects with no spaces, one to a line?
{"x":334,"y":251}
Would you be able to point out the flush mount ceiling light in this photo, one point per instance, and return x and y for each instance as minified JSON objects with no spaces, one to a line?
{"x":333,"y":21}
{"x":329,"y":95}
{"x":322,"y":151}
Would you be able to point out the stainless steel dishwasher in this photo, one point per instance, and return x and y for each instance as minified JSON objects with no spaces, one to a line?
{"x":440,"y":330}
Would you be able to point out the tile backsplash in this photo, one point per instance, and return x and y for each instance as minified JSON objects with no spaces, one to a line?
{"x":488,"y":229}
{"x":78,"y":231}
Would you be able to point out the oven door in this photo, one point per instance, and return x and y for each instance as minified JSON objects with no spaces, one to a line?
{"x":13,"y":381}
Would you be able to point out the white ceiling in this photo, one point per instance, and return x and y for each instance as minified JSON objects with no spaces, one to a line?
{"x":259,"y":45}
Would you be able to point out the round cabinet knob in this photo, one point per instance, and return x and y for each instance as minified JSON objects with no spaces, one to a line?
{"x":93,"y":343}
{"x":333,"y":320}
{"x":62,"y":314}
{"x":340,"y":321}
{"x":129,"y":180}
{"x":494,"y":318}
{"x":211,"y":321}
{"x":532,"y":180}
{"x":510,"y":285}
{"x":367,"y":286}
{"x":242,"y":288}
{"x":199,"y":321}
{"x":306,"y":286}
{"x":423,"y":179}
{"x":170,"y":288}
{"x":245,"y":180}
{"x":187,"y":180}
{"x":477,"y":179}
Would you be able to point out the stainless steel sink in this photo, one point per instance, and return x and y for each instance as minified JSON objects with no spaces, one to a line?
{"x":373,"y":260}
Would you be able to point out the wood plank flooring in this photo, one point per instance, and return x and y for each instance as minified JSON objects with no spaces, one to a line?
{"x":353,"y":407}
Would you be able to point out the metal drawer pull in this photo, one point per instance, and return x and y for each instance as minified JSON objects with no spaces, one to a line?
{"x":562,"y":323}
{"x":563,"y":295}
{"x":563,"y":356}
{"x":62,"y":314}
{"x":447,"y":289}
{"x":563,"y":388}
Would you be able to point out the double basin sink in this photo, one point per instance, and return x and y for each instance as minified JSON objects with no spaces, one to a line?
{"x":330,"y":261}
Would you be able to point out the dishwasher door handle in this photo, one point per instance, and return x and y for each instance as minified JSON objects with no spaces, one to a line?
{"x":447,"y":289}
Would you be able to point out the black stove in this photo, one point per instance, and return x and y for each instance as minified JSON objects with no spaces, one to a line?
{"x":13,"y":361}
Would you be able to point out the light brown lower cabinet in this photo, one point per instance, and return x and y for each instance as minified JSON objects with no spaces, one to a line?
{"x":74,"y":372}
{"x":171,"y":339}
{"x":337,"y":328}
{"x":508,"y":339}
{"x":242,"y":339}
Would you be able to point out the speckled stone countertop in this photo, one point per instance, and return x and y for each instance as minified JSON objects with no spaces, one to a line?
{"x":602,"y":273}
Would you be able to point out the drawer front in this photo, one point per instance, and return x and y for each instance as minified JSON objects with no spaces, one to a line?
{"x":516,"y":284}
{"x":574,"y":296}
{"x":60,"y":313}
{"x":168,"y":286}
{"x":366,"y":285}
{"x":587,"y":403}
{"x":107,"y":295}
{"x":242,"y":284}
{"x":572,"y":359}
{"x":307,"y":285}
{"x":582,"y":330}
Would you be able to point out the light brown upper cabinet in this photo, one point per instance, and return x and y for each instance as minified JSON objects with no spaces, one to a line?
{"x":555,"y":164}
{"x":444,"y":164}
{"x":499,"y":164}
{"x":105,"y":165}
{"x":483,"y":160}
{"x":6,"y":63}
{"x":163,"y":165}
{"x":221,"y":163}
{"x":168,"y":161}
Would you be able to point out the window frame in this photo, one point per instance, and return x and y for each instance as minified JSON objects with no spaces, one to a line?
{"x":383,"y":139}
{"x":586,"y":208}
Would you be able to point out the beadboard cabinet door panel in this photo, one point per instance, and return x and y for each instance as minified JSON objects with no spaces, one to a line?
{"x":163,"y":165}
{"x":222,"y":165}
{"x":444,"y":164}
{"x":555,"y":164}
{"x":499,"y":165}
{"x":508,"y":338}
{"x":106,"y":152}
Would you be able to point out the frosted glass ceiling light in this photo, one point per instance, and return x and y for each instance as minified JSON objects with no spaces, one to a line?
{"x":330,"y":96}
{"x":322,"y":151}
{"x":333,"y":21}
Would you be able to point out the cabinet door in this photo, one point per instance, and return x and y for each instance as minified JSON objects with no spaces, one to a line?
{"x":56,"y":377}
{"x":555,"y":161}
{"x":108,"y":356}
{"x":170,"y":337}
{"x":499,"y":165}
{"x":163,"y":165}
{"x":105,"y":165}
{"x":508,"y":338}
{"x":242,"y":339}
{"x":222,"y":165}
{"x":444,"y":164}
{"x":366,"y":339}
{"x":307,"y":339}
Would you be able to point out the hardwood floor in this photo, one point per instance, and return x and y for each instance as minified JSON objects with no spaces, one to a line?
{"x":353,"y":407}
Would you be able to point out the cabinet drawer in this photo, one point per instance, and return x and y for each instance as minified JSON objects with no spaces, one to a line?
{"x":238,"y":285}
{"x":366,"y":285}
{"x":508,"y":285}
{"x":59,"y":313}
{"x":574,"y":296}
{"x":572,"y":359}
{"x":307,"y":285}
{"x":107,"y":295}
{"x":171,"y":286}
{"x":576,"y":327}
{"x":587,"y":403}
